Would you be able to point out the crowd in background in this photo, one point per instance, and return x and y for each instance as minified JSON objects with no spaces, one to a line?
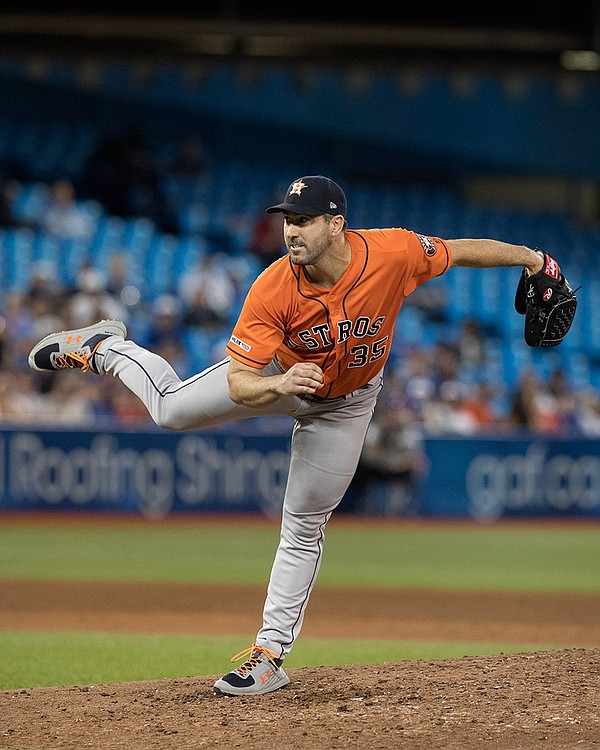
{"x":425,"y":391}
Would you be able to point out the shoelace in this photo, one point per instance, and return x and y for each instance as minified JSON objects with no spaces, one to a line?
{"x":73,"y":359}
{"x":78,"y":360}
{"x":255,"y":653}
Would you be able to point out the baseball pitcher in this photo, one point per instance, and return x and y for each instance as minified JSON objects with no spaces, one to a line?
{"x":311,"y":342}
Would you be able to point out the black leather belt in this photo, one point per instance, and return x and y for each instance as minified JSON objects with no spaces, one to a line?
{"x":323,"y":399}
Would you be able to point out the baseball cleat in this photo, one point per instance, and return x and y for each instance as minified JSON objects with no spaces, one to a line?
{"x":73,"y":349}
{"x":260,"y":673}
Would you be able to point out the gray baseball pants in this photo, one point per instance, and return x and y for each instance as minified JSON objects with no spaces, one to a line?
{"x":327,"y":442}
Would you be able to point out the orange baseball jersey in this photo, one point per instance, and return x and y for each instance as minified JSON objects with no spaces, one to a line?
{"x":346,"y":330}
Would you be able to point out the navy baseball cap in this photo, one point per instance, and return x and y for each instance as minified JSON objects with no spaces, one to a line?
{"x":312,"y":196}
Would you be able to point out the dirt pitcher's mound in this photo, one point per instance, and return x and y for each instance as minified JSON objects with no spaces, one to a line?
{"x":516,"y":702}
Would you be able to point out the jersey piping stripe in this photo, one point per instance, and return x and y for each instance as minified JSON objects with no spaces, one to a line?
{"x":305,"y":296}
{"x":359,"y":277}
{"x":180,"y":386}
{"x":239,"y":355}
{"x":311,"y":582}
{"x":318,"y":301}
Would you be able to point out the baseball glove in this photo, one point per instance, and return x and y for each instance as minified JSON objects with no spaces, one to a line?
{"x":548,"y":303}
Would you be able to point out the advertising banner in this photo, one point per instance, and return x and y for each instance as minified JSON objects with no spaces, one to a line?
{"x":154,"y":473}
{"x":157,"y":472}
{"x":492,"y":478}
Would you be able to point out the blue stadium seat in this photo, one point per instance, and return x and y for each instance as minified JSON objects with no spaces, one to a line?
{"x":199,"y":344}
{"x":17,"y":249}
{"x":159,"y":276}
{"x":461,"y":282}
{"x":30,"y":201}
{"x":73,"y":254}
{"x":106,"y":240}
{"x":188,"y":252}
{"x":516,"y":357}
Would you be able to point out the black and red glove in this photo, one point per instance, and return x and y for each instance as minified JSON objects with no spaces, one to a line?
{"x":548,"y":303}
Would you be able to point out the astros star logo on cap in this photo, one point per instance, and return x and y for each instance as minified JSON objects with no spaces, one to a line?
{"x":297,"y":188}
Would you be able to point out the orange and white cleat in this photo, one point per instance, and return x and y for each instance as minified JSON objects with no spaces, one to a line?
{"x":260,"y":673}
{"x":74,"y":349}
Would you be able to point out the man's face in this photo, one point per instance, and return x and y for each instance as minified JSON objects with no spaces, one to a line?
{"x":307,"y":238}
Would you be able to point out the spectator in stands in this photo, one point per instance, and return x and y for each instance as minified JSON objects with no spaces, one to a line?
{"x":125,"y":408}
{"x":9,"y":190}
{"x":533,"y":407}
{"x":67,"y":403}
{"x":478,"y":403}
{"x":522,"y":412}
{"x":562,"y":392}
{"x":266,"y":241}
{"x":166,"y":332}
{"x":118,"y":267}
{"x":4,"y":343}
{"x":446,"y":363}
{"x":165,"y":321}
{"x":62,"y":216}
{"x":7,"y":403}
{"x":208,"y":289}
{"x":190,"y":159}
{"x":587,"y":413}
{"x":558,"y":384}
{"x":200,"y":314}
{"x":471,"y":343}
{"x":41,"y":303}
{"x":446,"y":414}
{"x":139,"y":174}
{"x":43,"y":283}
{"x":99,"y":179}
{"x":431,"y":302}
{"x":20,"y":399}
{"x":19,"y":328}
{"x":417,"y":378}
{"x":185,"y":185}
{"x":393,"y":451}
{"x":91,"y":299}
{"x":124,"y":176}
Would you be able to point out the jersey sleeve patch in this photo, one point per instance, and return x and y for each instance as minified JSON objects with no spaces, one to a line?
{"x":241,"y":344}
{"x":427,"y":244}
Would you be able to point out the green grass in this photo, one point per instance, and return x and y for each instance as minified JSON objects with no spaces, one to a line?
{"x":511,"y":557}
{"x":132,"y":552}
{"x":49,"y":658}
{"x":525,"y":558}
